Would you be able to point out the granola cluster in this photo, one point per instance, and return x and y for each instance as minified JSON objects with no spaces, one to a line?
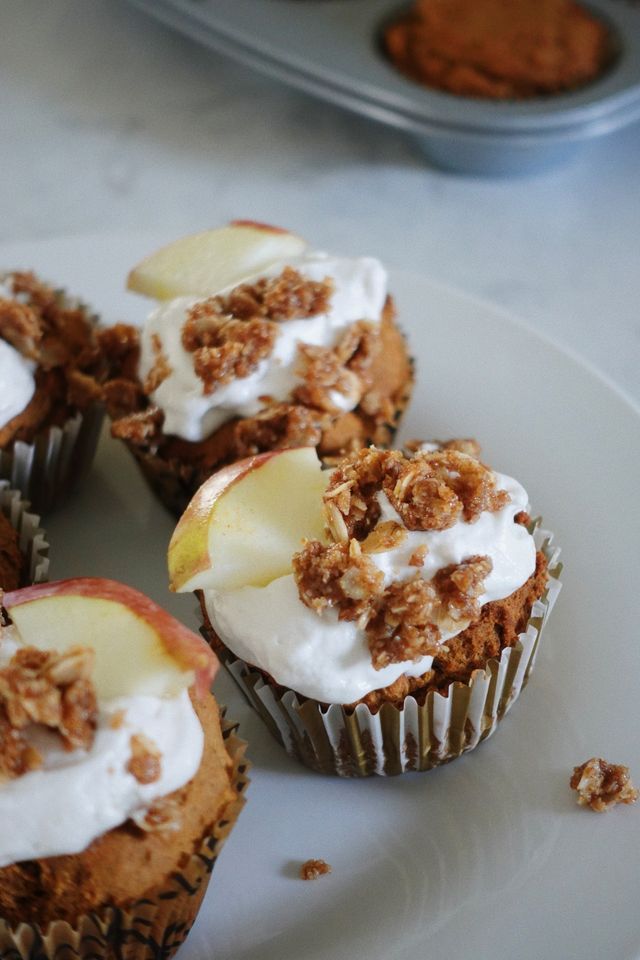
{"x":229,"y":335}
{"x":145,"y":762}
{"x":75,"y":359}
{"x":312,"y":869}
{"x":429,"y":491}
{"x":601,"y":785}
{"x":53,"y":690}
{"x":338,"y":377}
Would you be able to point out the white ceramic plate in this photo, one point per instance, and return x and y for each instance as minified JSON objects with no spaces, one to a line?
{"x":488,"y":858}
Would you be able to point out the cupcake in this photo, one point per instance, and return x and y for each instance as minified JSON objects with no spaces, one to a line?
{"x":24,"y":551}
{"x":381,"y":616}
{"x":118,"y":779}
{"x":53,"y":366}
{"x":259,"y":343}
{"x":499,"y":49}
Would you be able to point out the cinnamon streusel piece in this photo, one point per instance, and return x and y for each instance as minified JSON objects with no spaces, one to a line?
{"x":601,"y":785}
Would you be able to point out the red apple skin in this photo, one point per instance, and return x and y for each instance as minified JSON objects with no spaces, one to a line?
{"x":184,"y":646}
{"x":267,"y":227}
{"x":196,"y":516}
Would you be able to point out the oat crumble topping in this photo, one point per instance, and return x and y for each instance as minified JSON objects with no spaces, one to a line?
{"x":50,"y":689}
{"x":312,"y":869}
{"x":601,"y":785}
{"x":343,"y":369}
{"x":402,"y":628}
{"x":324,"y":376}
{"x":430,"y":491}
{"x":229,"y":335}
{"x":145,"y":760}
{"x":276,"y":428}
{"x":161,"y":368}
{"x":339,"y":575}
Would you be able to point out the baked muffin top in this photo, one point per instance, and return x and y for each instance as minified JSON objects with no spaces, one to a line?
{"x":499,"y":49}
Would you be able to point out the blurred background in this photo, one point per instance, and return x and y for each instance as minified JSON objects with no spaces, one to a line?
{"x":112,"y":123}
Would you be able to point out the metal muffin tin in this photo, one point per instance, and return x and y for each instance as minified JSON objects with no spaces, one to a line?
{"x":331,"y":49}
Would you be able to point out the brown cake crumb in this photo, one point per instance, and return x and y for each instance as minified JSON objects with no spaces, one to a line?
{"x":312,"y":869}
{"x":145,"y":761}
{"x":601,"y":785}
{"x":50,"y":689}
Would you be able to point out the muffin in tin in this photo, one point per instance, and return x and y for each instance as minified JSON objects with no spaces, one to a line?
{"x":499,"y":49}
{"x":392,"y":607}
{"x":119,"y":783}
{"x":289,"y":348}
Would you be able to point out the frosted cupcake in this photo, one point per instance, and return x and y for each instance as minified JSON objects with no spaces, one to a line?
{"x":259,"y":343}
{"x":381,"y":616}
{"x":118,"y":783}
{"x":53,"y":366}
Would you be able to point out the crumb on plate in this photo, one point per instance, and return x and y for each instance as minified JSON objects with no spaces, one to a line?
{"x":312,"y":869}
{"x":601,"y":785}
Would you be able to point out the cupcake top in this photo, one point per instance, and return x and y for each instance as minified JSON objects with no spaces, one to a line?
{"x":91,"y":737}
{"x":284,"y":334}
{"x":413,"y":546}
{"x":53,"y":359}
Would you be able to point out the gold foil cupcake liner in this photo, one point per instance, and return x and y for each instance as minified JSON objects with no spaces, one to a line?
{"x":152,"y":928}
{"x":32,"y":538}
{"x":354,"y":742}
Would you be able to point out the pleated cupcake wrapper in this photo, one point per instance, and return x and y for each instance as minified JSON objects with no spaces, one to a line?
{"x":415,"y":736}
{"x":49,"y":468}
{"x":151,"y":929}
{"x":32,"y":538}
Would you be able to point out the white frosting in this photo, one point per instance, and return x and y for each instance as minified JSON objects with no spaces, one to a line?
{"x":359,"y":294}
{"x":328,"y":659}
{"x":78,"y":795}
{"x":17,"y":384}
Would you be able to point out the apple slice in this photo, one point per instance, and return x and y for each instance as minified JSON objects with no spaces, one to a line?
{"x":246,"y":522}
{"x":205,"y":263}
{"x":139,"y":647}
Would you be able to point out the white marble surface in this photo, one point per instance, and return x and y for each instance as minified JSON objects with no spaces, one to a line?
{"x":111,"y":123}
